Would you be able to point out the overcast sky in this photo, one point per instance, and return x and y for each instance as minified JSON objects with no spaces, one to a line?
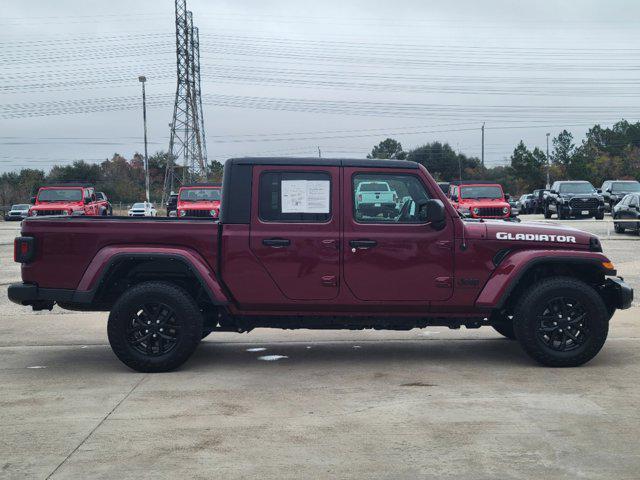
{"x":284,"y":77}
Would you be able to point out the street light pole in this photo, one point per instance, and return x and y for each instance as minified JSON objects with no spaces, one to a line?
{"x":142,"y":79}
{"x":548,"y":179}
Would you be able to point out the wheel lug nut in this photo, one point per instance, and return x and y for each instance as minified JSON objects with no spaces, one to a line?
{"x":146,"y":331}
{"x":555,"y":323}
{"x":161,"y":330}
{"x":559,"y":330}
{"x":157,"y":321}
{"x":154,"y":335}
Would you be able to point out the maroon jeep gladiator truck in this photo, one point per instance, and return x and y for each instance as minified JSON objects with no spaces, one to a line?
{"x":291,"y":250}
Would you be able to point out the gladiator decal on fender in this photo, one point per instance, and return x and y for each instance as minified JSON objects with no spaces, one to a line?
{"x":535,"y":237}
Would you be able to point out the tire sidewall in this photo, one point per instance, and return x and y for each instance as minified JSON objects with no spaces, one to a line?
{"x":188,"y":316}
{"x":525,"y":323}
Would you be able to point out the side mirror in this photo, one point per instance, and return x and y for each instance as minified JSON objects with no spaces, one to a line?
{"x":454,"y":198}
{"x":507,"y":197}
{"x":553,"y":192}
{"x":33,"y":200}
{"x":433,"y":212}
{"x":599,"y":190}
{"x":87,"y":201}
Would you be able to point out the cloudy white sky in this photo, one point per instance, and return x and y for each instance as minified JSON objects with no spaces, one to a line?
{"x":284,"y":77}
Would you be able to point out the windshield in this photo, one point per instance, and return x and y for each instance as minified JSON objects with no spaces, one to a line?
{"x":625,"y":187}
{"x":479,"y":191}
{"x":374,"y":187}
{"x":585,"y":187}
{"x":20,"y":206}
{"x":60,"y":195}
{"x":138,"y":205}
{"x":200,"y":194}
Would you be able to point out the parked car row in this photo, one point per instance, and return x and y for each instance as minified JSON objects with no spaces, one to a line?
{"x":200,"y":200}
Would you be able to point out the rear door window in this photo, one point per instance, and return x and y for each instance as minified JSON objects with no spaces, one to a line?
{"x":295,"y":197}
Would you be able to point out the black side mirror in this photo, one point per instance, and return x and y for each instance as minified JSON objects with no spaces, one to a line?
{"x":432,"y":211}
{"x":33,"y":200}
{"x":553,"y":192}
{"x":87,"y":201}
{"x":507,"y":197}
{"x":454,"y":198}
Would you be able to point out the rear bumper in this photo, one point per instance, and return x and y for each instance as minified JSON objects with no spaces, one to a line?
{"x":618,"y":293}
{"x":28,"y":294}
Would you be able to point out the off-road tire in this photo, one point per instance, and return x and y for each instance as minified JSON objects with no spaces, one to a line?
{"x":547,"y":212}
{"x":526,"y":321}
{"x":599,"y":216}
{"x":187,"y":317}
{"x":618,"y":227}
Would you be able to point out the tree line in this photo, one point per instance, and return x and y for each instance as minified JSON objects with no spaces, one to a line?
{"x":120,"y":178}
{"x":604,"y":153}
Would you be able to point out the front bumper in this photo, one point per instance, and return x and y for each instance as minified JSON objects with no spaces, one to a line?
{"x":617,"y":293}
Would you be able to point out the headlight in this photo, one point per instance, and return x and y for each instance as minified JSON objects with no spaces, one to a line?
{"x":65,"y":212}
{"x":183,"y":213}
{"x":505,"y":209}
{"x":476,"y":210}
{"x":213,"y":213}
{"x":34,"y":213}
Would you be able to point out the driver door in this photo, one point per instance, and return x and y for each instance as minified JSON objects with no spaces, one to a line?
{"x":399,"y":257}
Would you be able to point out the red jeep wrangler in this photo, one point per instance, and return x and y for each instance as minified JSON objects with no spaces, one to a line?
{"x":476,"y":199}
{"x":200,"y":200}
{"x":66,"y":200}
{"x":292,"y":250}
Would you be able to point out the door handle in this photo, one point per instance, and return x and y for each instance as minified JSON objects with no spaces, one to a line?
{"x":276,"y":242}
{"x":363,"y":244}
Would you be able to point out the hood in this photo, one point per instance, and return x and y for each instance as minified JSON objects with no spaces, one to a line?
{"x":536,"y":234}
{"x":56,"y":206}
{"x":208,"y":205}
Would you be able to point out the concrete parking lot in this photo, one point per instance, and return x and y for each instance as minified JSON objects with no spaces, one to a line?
{"x":427,"y":403}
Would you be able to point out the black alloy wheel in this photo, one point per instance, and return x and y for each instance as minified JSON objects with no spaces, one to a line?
{"x":153,"y":329}
{"x":563,"y":324}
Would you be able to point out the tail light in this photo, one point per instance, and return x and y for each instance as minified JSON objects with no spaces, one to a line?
{"x":24,"y":249}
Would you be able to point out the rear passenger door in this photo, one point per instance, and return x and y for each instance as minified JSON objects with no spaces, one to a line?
{"x":295,"y":229}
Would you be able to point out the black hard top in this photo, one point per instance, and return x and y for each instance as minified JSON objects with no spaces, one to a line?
{"x":572,"y":181}
{"x":323,"y":162}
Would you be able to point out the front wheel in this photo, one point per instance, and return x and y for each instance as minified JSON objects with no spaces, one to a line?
{"x":154,"y":327}
{"x":599,"y":216}
{"x":561,"y":322}
{"x":547,"y":212}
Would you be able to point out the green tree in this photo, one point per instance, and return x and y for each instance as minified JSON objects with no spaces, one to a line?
{"x":563,"y":149}
{"x":387,"y":149}
{"x":215,"y":171}
{"x":527,"y":167}
{"x":443,"y":162}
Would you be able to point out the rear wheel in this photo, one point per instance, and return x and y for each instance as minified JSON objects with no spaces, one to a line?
{"x":154,"y":327}
{"x":547,"y":212}
{"x":599,"y":216}
{"x":618,"y":226}
{"x":561,"y":322}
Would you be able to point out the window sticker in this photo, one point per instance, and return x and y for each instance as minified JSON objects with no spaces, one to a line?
{"x":305,"y":196}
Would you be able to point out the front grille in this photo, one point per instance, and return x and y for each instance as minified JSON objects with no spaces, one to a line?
{"x":491,"y":212}
{"x":584,"y":203}
{"x":198,"y":213}
{"x":45,"y":213}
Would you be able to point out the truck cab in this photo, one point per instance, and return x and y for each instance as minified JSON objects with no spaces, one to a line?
{"x":65,"y":200}
{"x":476,"y":199}
{"x":200,"y":200}
{"x":293,"y":249}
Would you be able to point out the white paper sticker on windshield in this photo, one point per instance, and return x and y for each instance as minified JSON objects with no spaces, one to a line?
{"x":305,"y":196}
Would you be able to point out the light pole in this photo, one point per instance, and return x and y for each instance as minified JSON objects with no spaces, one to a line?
{"x":142,"y":79}
{"x":548,"y":179}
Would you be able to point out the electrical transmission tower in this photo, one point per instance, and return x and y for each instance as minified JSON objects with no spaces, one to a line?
{"x":187,"y":147}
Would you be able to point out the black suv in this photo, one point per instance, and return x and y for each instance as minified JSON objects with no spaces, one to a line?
{"x":614,"y":190}
{"x":172,"y":204}
{"x":574,"y":199}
